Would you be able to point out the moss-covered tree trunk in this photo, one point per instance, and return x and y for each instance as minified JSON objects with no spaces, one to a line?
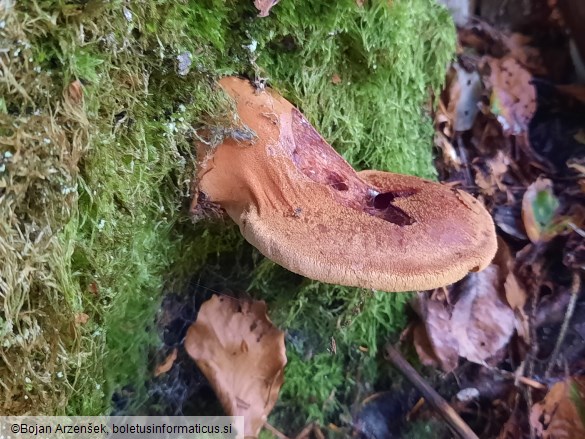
{"x":98,"y":103}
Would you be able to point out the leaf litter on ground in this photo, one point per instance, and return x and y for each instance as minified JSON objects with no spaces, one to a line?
{"x":514,"y":329}
{"x":561,"y":414}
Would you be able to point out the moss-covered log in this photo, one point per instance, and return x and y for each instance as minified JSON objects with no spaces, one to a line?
{"x":98,"y":101}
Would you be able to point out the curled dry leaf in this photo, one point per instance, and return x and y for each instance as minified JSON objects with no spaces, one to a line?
{"x":450,"y":156}
{"x":423,"y":346}
{"x":75,"y":91}
{"x":513,"y":95}
{"x":560,"y":414}
{"x":516,"y":295}
{"x":538,"y":209}
{"x":491,"y":181}
{"x":465,"y":93}
{"x":166,"y":365}
{"x":242,"y":354}
{"x":81,"y":318}
{"x":264,"y":6}
{"x":476,"y":327}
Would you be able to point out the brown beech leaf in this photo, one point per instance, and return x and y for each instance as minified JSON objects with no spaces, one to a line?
{"x":166,"y":365}
{"x":497,"y":167}
{"x":476,"y":327}
{"x":513,"y":98}
{"x":242,"y":354}
{"x":560,"y":414}
{"x":264,"y":6}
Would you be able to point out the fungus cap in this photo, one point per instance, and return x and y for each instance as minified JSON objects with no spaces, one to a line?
{"x":304,"y":207}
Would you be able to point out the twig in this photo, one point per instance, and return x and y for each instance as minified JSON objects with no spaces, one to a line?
{"x":577,"y":230}
{"x":575,"y":288}
{"x":435,"y":400}
{"x":304,"y":433}
{"x":528,"y":397}
{"x":465,"y":162}
{"x":317,"y":431}
{"x":520,"y":378}
{"x":274,"y":431}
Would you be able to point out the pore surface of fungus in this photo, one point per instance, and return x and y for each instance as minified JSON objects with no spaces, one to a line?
{"x":304,"y":207}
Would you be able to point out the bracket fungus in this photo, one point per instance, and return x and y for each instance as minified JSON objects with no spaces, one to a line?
{"x":304,"y":207}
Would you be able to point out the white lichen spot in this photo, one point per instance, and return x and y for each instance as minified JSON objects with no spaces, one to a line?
{"x":68,"y":189}
{"x":47,"y":141}
{"x":59,"y":374}
{"x":27,"y":380}
{"x":252,"y":46}
{"x":101,"y":224}
{"x":184,"y":61}
{"x":127,"y":14}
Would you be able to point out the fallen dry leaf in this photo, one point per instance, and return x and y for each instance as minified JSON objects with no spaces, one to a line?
{"x":516,"y":295}
{"x":264,"y":6}
{"x":166,"y":365}
{"x":476,"y":327}
{"x":81,"y":318}
{"x":491,"y":181}
{"x":450,"y":156}
{"x":242,"y":354}
{"x":423,"y":346}
{"x":75,"y":91}
{"x":560,"y":414}
{"x":522,"y":50}
{"x":465,"y":93}
{"x":513,"y":96}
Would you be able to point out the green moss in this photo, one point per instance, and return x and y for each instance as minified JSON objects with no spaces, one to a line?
{"x":387,"y":58}
{"x":93,"y":221}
